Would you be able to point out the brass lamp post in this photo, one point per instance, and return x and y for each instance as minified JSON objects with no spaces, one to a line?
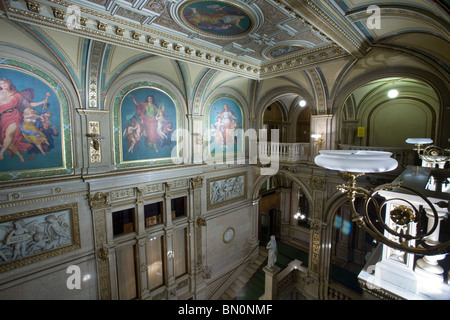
{"x":355,"y":163}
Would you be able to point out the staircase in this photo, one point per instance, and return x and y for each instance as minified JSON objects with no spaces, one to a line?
{"x":241,"y":286}
{"x":250,"y":284}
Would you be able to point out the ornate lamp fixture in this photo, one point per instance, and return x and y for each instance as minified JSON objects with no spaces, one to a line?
{"x":432,"y":155}
{"x":394,"y":229}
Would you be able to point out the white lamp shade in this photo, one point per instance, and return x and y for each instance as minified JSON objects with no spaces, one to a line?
{"x":419,"y":141}
{"x":360,"y":161}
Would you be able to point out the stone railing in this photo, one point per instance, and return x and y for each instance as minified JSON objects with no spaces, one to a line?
{"x":278,"y":283}
{"x":286,"y":152}
{"x":337,"y":291}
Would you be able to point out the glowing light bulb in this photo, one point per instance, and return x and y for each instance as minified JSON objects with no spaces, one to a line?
{"x":393,"y":93}
{"x":302,"y":103}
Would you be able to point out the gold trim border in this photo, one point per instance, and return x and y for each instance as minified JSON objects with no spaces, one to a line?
{"x":224,"y":203}
{"x":75,"y":231}
{"x":232,"y":238}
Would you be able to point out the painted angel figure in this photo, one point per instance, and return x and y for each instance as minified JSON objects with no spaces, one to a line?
{"x":12,"y":103}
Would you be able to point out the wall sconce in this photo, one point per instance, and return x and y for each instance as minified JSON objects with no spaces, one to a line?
{"x":319,"y":138}
{"x":355,"y":163}
{"x":95,"y":140}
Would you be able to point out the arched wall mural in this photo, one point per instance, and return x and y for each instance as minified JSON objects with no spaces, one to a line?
{"x":35,"y":134}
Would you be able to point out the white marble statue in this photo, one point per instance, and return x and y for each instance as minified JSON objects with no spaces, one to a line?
{"x":273,"y":251}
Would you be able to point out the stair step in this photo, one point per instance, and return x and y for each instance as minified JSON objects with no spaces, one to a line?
{"x":249,"y":285}
{"x":231,"y":293}
{"x":225,"y":296}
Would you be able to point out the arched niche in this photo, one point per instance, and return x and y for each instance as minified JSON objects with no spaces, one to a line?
{"x":287,"y":99}
{"x":431,"y":80}
{"x":370,"y":117}
{"x":123,"y":99}
{"x":31,"y":79}
{"x":273,"y":120}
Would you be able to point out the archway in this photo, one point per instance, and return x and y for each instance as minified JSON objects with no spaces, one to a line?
{"x":281,"y":197}
{"x":303,"y":128}
{"x":273,"y":120}
{"x":385,"y":112}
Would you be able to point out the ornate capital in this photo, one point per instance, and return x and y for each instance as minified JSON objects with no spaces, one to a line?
{"x":317,"y":183}
{"x":99,"y":200}
{"x":197,"y":182}
{"x":201,"y":222}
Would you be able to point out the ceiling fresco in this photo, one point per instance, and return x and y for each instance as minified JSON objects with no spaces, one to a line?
{"x":252,"y":38}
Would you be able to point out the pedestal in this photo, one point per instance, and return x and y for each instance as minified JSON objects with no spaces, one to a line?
{"x":271,"y":283}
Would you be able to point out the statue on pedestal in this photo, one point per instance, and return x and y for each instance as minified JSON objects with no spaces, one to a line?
{"x":273,"y":251}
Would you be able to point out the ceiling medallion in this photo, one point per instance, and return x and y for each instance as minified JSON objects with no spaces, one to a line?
{"x":218,"y":19}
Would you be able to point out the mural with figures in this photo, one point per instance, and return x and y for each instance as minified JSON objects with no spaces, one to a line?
{"x":225,"y":190}
{"x":148,"y":120}
{"x":216,"y":18}
{"x":31,"y":128}
{"x":225,"y":120}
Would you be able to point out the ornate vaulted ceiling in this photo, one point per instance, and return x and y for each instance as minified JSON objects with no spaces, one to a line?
{"x":254,"y":38}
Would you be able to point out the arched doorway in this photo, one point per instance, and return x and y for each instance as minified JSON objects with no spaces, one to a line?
{"x":284,"y":211}
{"x":273,"y":120}
{"x":385,"y":112}
{"x":303,"y":128}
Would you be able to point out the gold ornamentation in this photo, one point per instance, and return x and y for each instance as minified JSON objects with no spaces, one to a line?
{"x":120,"y":31}
{"x":94,"y":134}
{"x":33,"y":6}
{"x":164,"y":43}
{"x":101,"y":25}
{"x":201,"y":222}
{"x":197,"y":182}
{"x":99,"y":200}
{"x":317,"y":183}
{"x":58,"y":14}
{"x":402,"y":215}
{"x":136,"y":35}
{"x":39,"y":234}
{"x":103,"y":253}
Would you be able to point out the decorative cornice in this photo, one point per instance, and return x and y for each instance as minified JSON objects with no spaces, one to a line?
{"x":120,"y":31}
{"x":105,"y":28}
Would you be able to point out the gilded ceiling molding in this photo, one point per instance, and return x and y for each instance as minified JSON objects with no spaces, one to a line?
{"x":302,"y":60}
{"x":99,"y":26}
{"x":296,"y":6}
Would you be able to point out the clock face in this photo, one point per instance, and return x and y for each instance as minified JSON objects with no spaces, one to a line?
{"x":228,"y":235}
